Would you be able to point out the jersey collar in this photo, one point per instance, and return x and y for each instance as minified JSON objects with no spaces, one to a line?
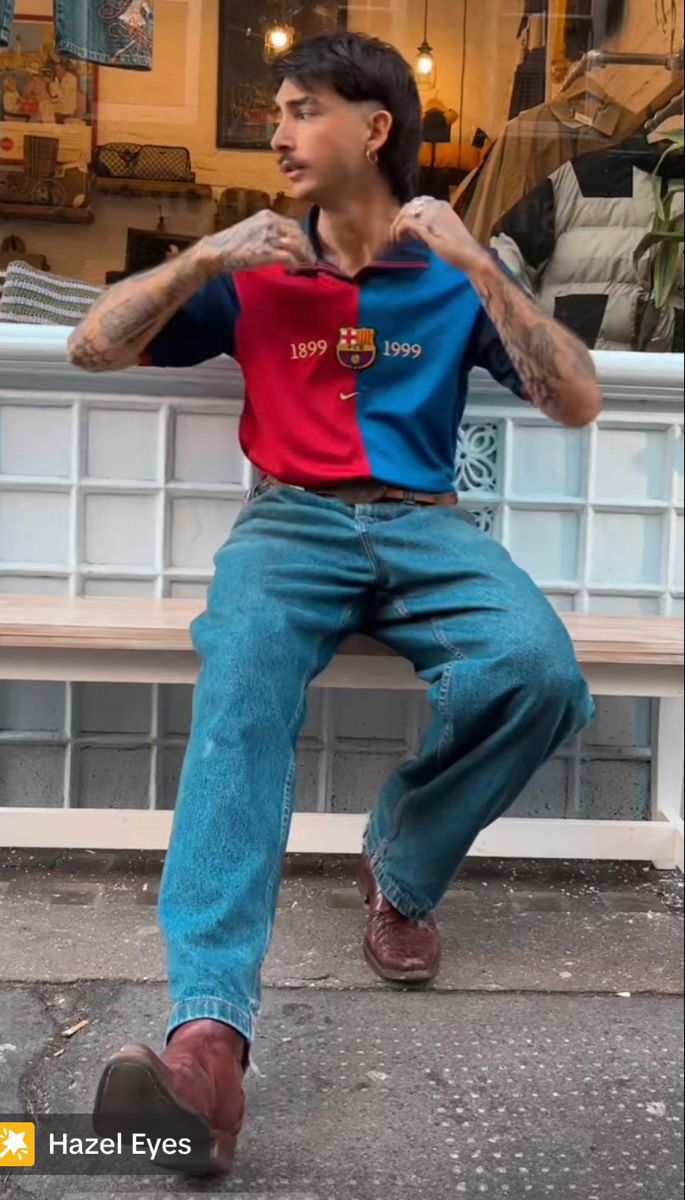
{"x":410,"y":254}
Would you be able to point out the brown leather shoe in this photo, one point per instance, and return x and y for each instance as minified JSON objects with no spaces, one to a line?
{"x":195,"y":1088}
{"x":398,"y":949}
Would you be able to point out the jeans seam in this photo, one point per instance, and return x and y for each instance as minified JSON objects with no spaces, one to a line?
{"x":103,"y":57}
{"x":398,"y":606}
{"x":441,"y":706}
{"x":369,"y":551}
{"x":446,"y":642}
{"x":215,"y":999}
{"x":286,"y":811}
{"x":379,"y":855}
{"x":399,"y":897}
{"x":212,"y":1008}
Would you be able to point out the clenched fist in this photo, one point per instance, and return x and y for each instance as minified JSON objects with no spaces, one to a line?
{"x":262,"y":240}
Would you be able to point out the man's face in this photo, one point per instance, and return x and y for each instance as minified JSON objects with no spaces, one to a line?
{"x":321,"y":142}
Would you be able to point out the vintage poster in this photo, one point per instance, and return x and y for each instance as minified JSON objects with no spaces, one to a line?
{"x":45,"y":95}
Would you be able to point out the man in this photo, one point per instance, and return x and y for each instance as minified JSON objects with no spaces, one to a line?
{"x":64,"y":93}
{"x":355,"y":336}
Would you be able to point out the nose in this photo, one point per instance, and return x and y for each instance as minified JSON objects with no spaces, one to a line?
{"x":282,"y":139}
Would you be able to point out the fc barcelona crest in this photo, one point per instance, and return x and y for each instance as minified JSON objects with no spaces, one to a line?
{"x":357,"y":348}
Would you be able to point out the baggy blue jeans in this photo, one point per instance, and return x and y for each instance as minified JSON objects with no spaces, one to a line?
{"x":299,"y":573}
{"x":116,"y":33}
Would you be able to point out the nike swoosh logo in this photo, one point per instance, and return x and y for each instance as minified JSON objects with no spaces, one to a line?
{"x":348,"y":395}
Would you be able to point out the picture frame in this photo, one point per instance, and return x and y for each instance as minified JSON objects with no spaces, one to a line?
{"x":246,"y":118}
{"x":43,"y":93}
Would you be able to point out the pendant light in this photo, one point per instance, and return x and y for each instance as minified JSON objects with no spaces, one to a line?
{"x":425,"y":63}
{"x":279,"y":38}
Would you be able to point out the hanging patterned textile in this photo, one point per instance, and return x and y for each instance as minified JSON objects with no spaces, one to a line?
{"x":113,"y":33}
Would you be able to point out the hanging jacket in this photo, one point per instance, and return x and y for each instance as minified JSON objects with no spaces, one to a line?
{"x":580,"y":120}
{"x":572,"y":243}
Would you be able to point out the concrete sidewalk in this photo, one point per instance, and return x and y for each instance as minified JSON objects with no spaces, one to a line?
{"x":547,"y":1061}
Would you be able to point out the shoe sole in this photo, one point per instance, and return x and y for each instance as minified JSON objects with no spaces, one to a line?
{"x":132,"y":1090}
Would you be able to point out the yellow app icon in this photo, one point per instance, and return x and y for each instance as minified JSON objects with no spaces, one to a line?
{"x":17,"y":1144}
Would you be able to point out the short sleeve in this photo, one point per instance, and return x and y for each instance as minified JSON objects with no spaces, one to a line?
{"x":203,"y":328}
{"x":486,"y":349}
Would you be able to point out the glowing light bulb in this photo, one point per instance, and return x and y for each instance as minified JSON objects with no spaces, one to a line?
{"x":425,"y":64}
{"x":278,"y":39}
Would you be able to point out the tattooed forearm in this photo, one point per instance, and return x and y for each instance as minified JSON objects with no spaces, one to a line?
{"x":555,"y":368}
{"x":124,"y":320}
{"x":128,"y":316}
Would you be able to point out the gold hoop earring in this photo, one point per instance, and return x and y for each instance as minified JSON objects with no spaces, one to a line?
{"x":372,"y":156}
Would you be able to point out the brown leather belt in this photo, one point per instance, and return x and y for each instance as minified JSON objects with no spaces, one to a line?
{"x":376,"y":493}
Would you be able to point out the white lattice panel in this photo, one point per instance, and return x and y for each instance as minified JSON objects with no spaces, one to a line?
{"x":129,"y":484}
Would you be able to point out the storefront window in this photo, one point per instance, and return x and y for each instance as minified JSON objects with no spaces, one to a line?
{"x":126,"y":137}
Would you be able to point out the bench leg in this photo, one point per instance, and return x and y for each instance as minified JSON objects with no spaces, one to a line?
{"x":667,"y":774}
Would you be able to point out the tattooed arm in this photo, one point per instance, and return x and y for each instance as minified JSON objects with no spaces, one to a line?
{"x":127,"y":317}
{"x":556,"y":369}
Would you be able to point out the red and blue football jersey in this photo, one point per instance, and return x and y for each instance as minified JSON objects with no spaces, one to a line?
{"x":362,"y":378}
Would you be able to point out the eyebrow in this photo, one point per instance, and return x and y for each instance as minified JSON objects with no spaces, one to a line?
{"x":296,"y":105}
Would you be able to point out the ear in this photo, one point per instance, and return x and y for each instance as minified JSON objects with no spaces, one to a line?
{"x":380,"y":123}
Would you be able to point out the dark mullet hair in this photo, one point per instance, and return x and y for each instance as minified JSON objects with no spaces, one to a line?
{"x":362,"y":68}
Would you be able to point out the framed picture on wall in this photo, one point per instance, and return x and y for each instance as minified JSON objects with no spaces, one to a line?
{"x":44,"y":94}
{"x":246,"y":117}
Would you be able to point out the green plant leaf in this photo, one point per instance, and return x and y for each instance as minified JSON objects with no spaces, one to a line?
{"x":656,"y":238}
{"x":662,"y":245}
{"x":648,"y":326}
{"x":666,"y":274}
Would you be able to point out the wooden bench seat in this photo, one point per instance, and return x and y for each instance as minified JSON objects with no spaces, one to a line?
{"x":133,"y":640}
{"x":147,"y":640}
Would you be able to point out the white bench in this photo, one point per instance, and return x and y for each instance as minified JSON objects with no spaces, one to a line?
{"x":131,"y":640}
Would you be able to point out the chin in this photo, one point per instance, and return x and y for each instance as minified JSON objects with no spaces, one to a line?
{"x":306,"y":191}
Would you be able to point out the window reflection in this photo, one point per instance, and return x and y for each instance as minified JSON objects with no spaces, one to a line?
{"x":546,"y":124}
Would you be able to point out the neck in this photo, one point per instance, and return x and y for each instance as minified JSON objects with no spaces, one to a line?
{"x":354,"y":232}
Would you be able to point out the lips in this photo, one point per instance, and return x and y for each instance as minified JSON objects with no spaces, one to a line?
{"x":292,"y":169}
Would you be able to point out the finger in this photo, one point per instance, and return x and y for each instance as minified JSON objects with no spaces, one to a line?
{"x":292,"y":231}
{"x":299,"y":246}
{"x":408,"y":226}
{"x":399,"y":225}
{"x":287,"y":226}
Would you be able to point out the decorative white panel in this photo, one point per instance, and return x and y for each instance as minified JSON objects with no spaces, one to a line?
{"x":548,"y":461}
{"x":623,"y":605}
{"x":678,"y":556}
{"x":33,"y":585}
{"x":121,"y":444}
{"x":34,"y":528}
{"x":633,"y":464}
{"x":130,"y":484}
{"x":546,"y":544}
{"x":198,"y":529}
{"x":206,"y":449}
{"x":92,"y":586}
{"x":35,"y":441}
{"x":478,"y":458}
{"x":628,"y":550}
{"x":109,"y":520}
{"x":679,"y":454}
